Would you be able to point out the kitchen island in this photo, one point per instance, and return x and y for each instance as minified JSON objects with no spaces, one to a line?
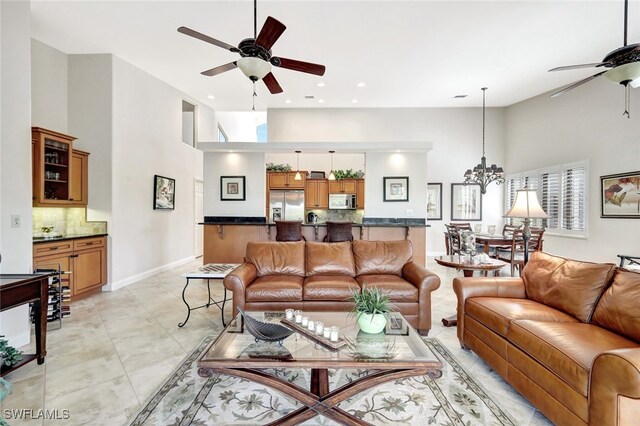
{"x":226,"y":238}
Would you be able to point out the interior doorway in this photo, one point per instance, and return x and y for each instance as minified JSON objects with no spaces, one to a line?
{"x":198,"y":218}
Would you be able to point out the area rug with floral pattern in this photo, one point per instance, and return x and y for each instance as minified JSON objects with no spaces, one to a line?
{"x":451,"y":400}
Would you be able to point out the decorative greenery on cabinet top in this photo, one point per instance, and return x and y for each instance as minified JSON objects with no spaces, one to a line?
{"x":271,"y":167}
{"x":348,"y":174}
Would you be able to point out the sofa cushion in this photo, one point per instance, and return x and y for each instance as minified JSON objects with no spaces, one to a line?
{"x":381,"y":257}
{"x":566,"y":349}
{"x":275,"y":288}
{"x":571,"y":286}
{"x":497,"y":313}
{"x":276,"y":258}
{"x":619,"y":307}
{"x":398,"y":289}
{"x":329,"y":259}
{"x":329,"y":287}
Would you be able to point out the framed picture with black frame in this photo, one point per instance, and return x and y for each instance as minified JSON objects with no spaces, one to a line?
{"x":466,"y":201}
{"x":396,"y":188}
{"x":620,"y":196}
{"x":434,"y":201}
{"x":164,"y":193}
{"x":232,"y":188}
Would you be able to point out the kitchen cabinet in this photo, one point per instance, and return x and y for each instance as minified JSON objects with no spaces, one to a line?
{"x":60,"y":173}
{"x":285,"y":180}
{"x":51,"y":159}
{"x":316,"y":194}
{"x":79,"y":181}
{"x":83,"y":262}
{"x":360,"y":194}
{"x":344,"y":186}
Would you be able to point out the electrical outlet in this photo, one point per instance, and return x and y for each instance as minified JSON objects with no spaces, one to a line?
{"x":15,"y":221}
{"x":409,"y":212}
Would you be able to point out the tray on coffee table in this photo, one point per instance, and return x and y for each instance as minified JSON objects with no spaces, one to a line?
{"x":315,"y":337}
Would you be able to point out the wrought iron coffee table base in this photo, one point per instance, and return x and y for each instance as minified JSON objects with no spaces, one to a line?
{"x":319,"y":401}
{"x":210,"y":301}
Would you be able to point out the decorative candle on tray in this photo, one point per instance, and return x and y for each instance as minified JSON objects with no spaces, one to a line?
{"x":334,"y":333}
{"x":311,"y":325}
{"x":319,"y":327}
{"x":288,"y":314}
{"x":298,"y":316}
{"x":305,"y":321}
{"x":326,"y":333}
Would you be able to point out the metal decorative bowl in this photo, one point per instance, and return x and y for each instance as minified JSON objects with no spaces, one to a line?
{"x":266,"y":331}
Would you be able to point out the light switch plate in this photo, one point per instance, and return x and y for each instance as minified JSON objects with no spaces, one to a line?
{"x":15,"y":221}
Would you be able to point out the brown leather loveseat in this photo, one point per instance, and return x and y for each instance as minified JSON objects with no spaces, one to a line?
{"x":315,"y":276}
{"x":566,"y":336}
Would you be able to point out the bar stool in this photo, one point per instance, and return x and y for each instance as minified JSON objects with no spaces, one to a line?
{"x":289,"y":230}
{"x":338,"y":231}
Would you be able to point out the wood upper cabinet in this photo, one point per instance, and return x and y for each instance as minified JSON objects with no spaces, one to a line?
{"x":285,"y":180}
{"x":344,"y":186}
{"x":60,"y":173}
{"x":316,"y":194}
{"x":79,"y":182}
{"x":51,"y":157}
{"x":83,"y":262}
{"x":360,"y":194}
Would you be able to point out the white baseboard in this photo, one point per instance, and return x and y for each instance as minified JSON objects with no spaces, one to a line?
{"x":146,"y":274}
{"x":435,"y":253}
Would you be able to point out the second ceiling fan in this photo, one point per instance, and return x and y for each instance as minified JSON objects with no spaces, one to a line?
{"x":256,"y":57}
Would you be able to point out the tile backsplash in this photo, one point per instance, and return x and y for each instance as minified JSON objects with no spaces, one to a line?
{"x":354,"y":216}
{"x":65,"y":221}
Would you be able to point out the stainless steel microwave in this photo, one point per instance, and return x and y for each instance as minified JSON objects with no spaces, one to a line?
{"x":342,"y":201}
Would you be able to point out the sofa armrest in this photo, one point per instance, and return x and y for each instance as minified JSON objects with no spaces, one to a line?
{"x":426,"y":282}
{"x":614,"y":388}
{"x":465,"y":288}
{"x":237,"y":281}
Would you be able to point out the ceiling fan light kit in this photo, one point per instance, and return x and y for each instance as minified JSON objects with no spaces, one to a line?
{"x":254,"y":68}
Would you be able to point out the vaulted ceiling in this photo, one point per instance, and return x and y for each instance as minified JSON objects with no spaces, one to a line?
{"x":407,"y":53}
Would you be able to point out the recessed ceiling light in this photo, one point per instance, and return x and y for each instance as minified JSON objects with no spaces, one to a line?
{"x":211,"y":97}
{"x":288,"y":101}
{"x":361,"y":84}
{"x":320,"y":84}
{"x":320,"y":101}
{"x":354,"y":101}
{"x":459,"y":96}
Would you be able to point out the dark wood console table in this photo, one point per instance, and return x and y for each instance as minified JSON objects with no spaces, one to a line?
{"x":18,"y":289}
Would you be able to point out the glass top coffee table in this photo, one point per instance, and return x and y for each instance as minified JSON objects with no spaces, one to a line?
{"x":396,"y":353}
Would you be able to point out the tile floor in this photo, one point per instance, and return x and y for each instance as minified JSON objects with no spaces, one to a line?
{"x":117,"y":347}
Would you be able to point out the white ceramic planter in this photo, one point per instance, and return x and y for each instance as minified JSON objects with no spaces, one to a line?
{"x":372,"y":324}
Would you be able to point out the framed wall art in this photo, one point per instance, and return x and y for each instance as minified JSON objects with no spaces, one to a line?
{"x":434,"y":201}
{"x":396,"y":188}
{"x":164,"y":193}
{"x":466,"y":201}
{"x":232,"y":188}
{"x":620,"y":196}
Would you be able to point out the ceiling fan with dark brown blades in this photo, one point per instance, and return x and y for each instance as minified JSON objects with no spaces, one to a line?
{"x":621,"y":65}
{"x":256,"y":57}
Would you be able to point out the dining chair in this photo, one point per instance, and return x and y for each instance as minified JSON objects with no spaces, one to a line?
{"x":514,"y":255}
{"x":452,"y":236}
{"x":629,"y":262}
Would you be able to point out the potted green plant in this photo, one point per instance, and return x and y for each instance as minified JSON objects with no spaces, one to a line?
{"x":9,"y":355}
{"x":372,"y":306}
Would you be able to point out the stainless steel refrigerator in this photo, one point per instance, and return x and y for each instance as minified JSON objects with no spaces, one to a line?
{"x":286,"y":205}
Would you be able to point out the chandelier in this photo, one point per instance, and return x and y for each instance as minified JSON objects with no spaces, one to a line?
{"x":481,"y":174}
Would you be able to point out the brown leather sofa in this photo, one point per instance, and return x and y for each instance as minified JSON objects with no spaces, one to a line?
{"x":315,"y":276}
{"x":565,"y":335}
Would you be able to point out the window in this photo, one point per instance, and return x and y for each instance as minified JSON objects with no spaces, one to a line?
{"x":562,"y":191}
{"x":188,"y":123}
{"x":222,"y":135}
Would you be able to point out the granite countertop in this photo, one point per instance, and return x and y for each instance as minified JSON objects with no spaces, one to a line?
{"x":322,"y":224}
{"x":37,"y":240}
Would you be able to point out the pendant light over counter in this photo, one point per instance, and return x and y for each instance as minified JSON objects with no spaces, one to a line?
{"x":298,"y":177}
{"x":331,"y":175}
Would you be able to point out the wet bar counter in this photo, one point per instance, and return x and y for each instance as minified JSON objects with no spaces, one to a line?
{"x":225,"y":239}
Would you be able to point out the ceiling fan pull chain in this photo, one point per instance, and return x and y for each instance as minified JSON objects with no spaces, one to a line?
{"x":255,"y":95}
{"x":627,"y":101}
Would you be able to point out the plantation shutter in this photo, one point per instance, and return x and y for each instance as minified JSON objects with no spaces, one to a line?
{"x":573,"y":196}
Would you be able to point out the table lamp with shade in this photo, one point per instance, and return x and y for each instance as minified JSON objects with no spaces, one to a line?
{"x":526,"y":206}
